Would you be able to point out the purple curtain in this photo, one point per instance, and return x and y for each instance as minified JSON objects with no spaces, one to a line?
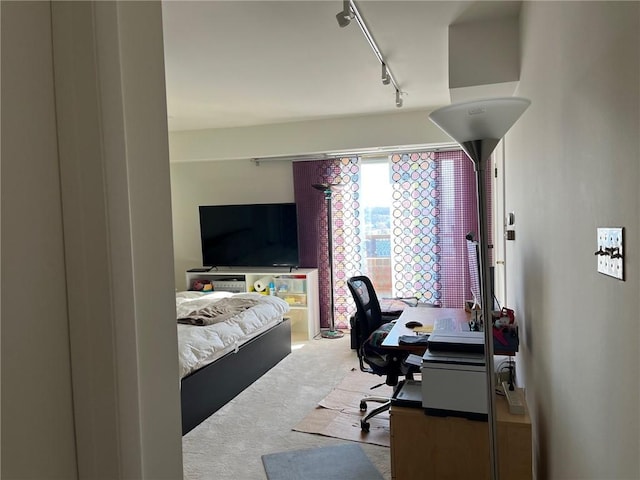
{"x":313,"y":226}
{"x":312,"y":211}
{"x":458,"y":216}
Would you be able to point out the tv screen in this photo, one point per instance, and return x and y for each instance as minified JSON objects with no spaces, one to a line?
{"x":259,"y":235}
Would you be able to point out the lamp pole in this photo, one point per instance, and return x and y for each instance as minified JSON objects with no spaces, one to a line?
{"x":480,"y":152}
{"x":328,"y":189}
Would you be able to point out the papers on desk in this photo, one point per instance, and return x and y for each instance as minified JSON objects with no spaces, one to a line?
{"x":447,"y":324}
{"x":425,"y":329}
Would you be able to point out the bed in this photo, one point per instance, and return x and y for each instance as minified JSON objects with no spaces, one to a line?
{"x":226,"y":342}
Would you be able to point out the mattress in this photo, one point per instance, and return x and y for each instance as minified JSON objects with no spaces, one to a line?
{"x":201,"y":345}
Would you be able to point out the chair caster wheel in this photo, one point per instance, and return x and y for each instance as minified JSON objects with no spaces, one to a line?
{"x":364,"y":426}
{"x":363,"y":406}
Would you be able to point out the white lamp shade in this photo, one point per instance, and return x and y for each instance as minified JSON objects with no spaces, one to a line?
{"x":479,"y":119}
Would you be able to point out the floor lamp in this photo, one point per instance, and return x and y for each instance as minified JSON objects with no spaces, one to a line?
{"x":478,"y":126}
{"x":328,"y":189}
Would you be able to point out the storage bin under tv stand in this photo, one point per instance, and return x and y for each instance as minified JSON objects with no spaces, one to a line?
{"x":298,"y":287}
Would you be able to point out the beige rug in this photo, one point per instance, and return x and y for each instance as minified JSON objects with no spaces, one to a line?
{"x":338,"y":414}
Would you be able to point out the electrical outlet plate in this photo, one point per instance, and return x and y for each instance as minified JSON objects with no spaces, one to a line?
{"x":610,"y":253}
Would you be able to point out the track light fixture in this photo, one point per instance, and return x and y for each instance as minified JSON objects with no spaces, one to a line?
{"x":350,"y":11}
{"x":345,"y":16}
{"x":385,"y":75}
{"x":398,"y":98}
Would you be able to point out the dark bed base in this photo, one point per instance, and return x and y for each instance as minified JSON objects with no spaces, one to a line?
{"x":208,"y":389}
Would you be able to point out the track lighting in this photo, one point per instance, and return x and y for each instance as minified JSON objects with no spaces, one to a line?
{"x":350,"y":11}
{"x":398,"y":98}
{"x":344,"y":17}
{"x":385,"y":75}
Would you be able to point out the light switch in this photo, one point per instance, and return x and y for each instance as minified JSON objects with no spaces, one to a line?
{"x":511,"y":218}
{"x":610,"y":252}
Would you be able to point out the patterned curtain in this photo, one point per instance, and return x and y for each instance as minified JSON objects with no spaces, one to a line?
{"x":415,"y":248}
{"x":313,"y":226}
{"x":434,"y":206}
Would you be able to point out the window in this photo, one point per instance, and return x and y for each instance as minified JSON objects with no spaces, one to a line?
{"x":400,"y":219}
{"x":375,"y":207}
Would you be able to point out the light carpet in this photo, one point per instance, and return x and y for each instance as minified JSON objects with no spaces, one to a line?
{"x":230,"y":443}
{"x":336,"y":462}
{"x":338,"y":414}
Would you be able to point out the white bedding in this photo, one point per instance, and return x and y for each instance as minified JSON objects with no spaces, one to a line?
{"x":198,"y":346}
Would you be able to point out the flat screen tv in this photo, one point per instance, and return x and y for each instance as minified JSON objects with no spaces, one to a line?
{"x":257,"y":235}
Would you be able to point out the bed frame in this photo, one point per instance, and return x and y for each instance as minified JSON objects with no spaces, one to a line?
{"x":206,"y":390}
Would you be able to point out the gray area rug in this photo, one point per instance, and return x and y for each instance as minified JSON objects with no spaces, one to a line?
{"x":339,"y":462}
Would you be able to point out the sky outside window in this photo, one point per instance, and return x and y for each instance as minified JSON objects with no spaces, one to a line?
{"x":376,"y":196}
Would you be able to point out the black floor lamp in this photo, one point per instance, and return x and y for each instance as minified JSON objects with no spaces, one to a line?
{"x":478,"y":126}
{"x":328,"y":189}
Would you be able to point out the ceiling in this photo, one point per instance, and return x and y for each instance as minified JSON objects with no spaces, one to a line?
{"x":241,"y":63}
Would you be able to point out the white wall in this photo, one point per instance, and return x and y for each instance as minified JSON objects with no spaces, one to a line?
{"x":573,"y":164}
{"x":143,"y":238}
{"x":219,"y":183}
{"x":37,"y":411}
{"x":484,"y":52}
{"x":409,"y":127}
{"x":89,"y":353}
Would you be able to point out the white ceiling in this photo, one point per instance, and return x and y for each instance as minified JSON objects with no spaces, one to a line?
{"x":240,"y":63}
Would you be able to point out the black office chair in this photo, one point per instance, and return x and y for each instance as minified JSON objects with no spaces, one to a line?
{"x":371,"y":328}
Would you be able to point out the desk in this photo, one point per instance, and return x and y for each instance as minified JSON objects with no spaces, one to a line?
{"x":448,"y":448}
{"x":429,"y":316}
{"x":451,"y":448}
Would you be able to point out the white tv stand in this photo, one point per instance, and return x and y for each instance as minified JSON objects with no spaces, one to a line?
{"x":298,"y":287}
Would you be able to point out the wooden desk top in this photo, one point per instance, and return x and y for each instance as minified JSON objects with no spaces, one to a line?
{"x":429,"y":317}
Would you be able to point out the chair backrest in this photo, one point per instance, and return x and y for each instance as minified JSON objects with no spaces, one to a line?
{"x":369,"y":315}
{"x":370,"y":318}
